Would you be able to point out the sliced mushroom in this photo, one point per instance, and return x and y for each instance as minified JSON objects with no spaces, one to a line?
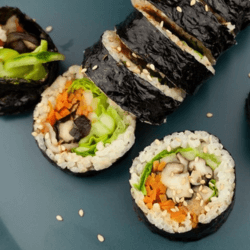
{"x":205,"y":192}
{"x":170,"y":158}
{"x":183,"y":161}
{"x":195,"y":178}
{"x":200,"y":166}
{"x":64,"y":129}
{"x":173,"y":167}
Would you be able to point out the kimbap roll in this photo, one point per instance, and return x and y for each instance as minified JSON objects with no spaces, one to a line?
{"x":78,"y":128}
{"x":28,"y":61}
{"x":135,"y":89}
{"x":184,"y":185}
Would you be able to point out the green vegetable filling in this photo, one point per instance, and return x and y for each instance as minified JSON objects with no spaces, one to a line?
{"x":212,"y":185}
{"x":28,"y":66}
{"x":108,"y":123}
{"x":188,"y":153}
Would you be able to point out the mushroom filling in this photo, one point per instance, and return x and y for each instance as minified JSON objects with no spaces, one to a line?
{"x":82,"y":116}
{"x":181,"y":181}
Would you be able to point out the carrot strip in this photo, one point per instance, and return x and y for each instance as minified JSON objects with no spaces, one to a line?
{"x":19,"y":28}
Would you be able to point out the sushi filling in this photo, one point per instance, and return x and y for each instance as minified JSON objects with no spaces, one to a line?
{"x":190,"y":181}
{"x":81,"y":121}
{"x":23,"y":55}
{"x":123,"y":54}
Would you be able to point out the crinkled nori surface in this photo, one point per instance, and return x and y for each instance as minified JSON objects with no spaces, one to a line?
{"x":179,"y":67}
{"x":19,"y":95}
{"x":129,"y":91}
{"x":199,"y":23}
{"x":236,"y":12}
{"x":247,"y":106}
{"x":201,"y":231}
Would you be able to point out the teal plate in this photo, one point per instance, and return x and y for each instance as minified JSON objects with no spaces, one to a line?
{"x":33,"y":192}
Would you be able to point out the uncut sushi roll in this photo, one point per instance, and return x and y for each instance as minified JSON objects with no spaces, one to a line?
{"x":78,"y":128}
{"x":184,"y":185}
{"x":28,"y":61}
{"x":181,"y":65}
{"x":198,"y":27}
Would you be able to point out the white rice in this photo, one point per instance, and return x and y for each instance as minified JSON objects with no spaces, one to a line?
{"x":105,"y":156}
{"x":111,"y":41}
{"x":224,"y":175}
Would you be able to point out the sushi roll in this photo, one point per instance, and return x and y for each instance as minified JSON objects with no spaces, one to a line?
{"x":181,"y":65}
{"x":199,"y":28}
{"x":78,"y":128}
{"x":183,"y":186}
{"x":110,"y":64}
{"x":28,"y":61}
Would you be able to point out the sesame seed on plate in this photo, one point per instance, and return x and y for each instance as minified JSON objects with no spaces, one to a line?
{"x":204,"y":191}
{"x":179,"y":9}
{"x":178,"y":200}
{"x":81,"y":212}
{"x":59,"y":218}
{"x":49,"y":29}
{"x":161,"y":24}
{"x":193,"y":2}
{"x":176,"y":208}
{"x":209,"y":115}
{"x":100,"y":238}
{"x":95,"y":67}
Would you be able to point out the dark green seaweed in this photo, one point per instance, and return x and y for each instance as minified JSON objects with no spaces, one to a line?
{"x":199,"y":23}
{"x":247,"y":107}
{"x":237,"y":12}
{"x":19,"y":95}
{"x":179,"y":67}
{"x":129,"y":91}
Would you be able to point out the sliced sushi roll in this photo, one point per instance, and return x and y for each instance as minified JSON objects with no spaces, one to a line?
{"x":109,"y":64}
{"x":78,"y":128}
{"x":184,"y":185}
{"x":28,"y":61}
{"x":237,"y":12}
{"x":199,"y":28}
{"x":181,"y":65}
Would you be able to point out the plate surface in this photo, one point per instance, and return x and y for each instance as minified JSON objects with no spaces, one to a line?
{"x":33,"y":192}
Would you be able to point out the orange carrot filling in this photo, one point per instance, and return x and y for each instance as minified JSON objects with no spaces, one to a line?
{"x":156,"y":193}
{"x":65,"y":102}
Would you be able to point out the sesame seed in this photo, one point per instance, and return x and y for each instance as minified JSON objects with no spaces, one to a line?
{"x":152,"y":66}
{"x":193,"y":2}
{"x":157,"y":142}
{"x":119,"y":48}
{"x":134,"y":55}
{"x":209,"y":115}
{"x":100,"y":238}
{"x":145,"y":71}
{"x":178,"y":139}
{"x":191,"y":180}
{"x":205,"y":150}
{"x":176,"y":209}
{"x":179,"y":9}
{"x":59,"y":218}
{"x":128,"y":64}
{"x":172,"y":174}
{"x":40,"y":104}
{"x":137,"y":71}
{"x":206,"y":7}
{"x":49,"y":29}
{"x":173,"y":210}
{"x":161,"y":24}
{"x":95,"y":67}
{"x":81,"y":212}
{"x":40,"y":126}
{"x":208,"y":176}
{"x":34,"y":133}
{"x":84,"y":70}
{"x":202,"y":182}
{"x":185,"y":203}
{"x":200,"y":188}
{"x":204,"y":191}
{"x":177,"y":199}
{"x":198,"y":195}
{"x":149,"y":77}
{"x":196,"y":159}
{"x":201,"y":203}
{"x":34,"y":19}
{"x":191,"y":191}
{"x":63,"y":148}
{"x":221,"y":186}
{"x":207,"y":208}
{"x":182,"y":199}
{"x":168,"y":148}
{"x":197,"y":198}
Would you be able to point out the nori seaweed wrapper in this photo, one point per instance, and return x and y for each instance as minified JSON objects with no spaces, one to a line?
{"x":199,"y":23}
{"x":247,"y":107}
{"x":129,"y":91}
{"x":19,"y":95}
{"x":237,"y":12}
{"x":179,"y":67}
